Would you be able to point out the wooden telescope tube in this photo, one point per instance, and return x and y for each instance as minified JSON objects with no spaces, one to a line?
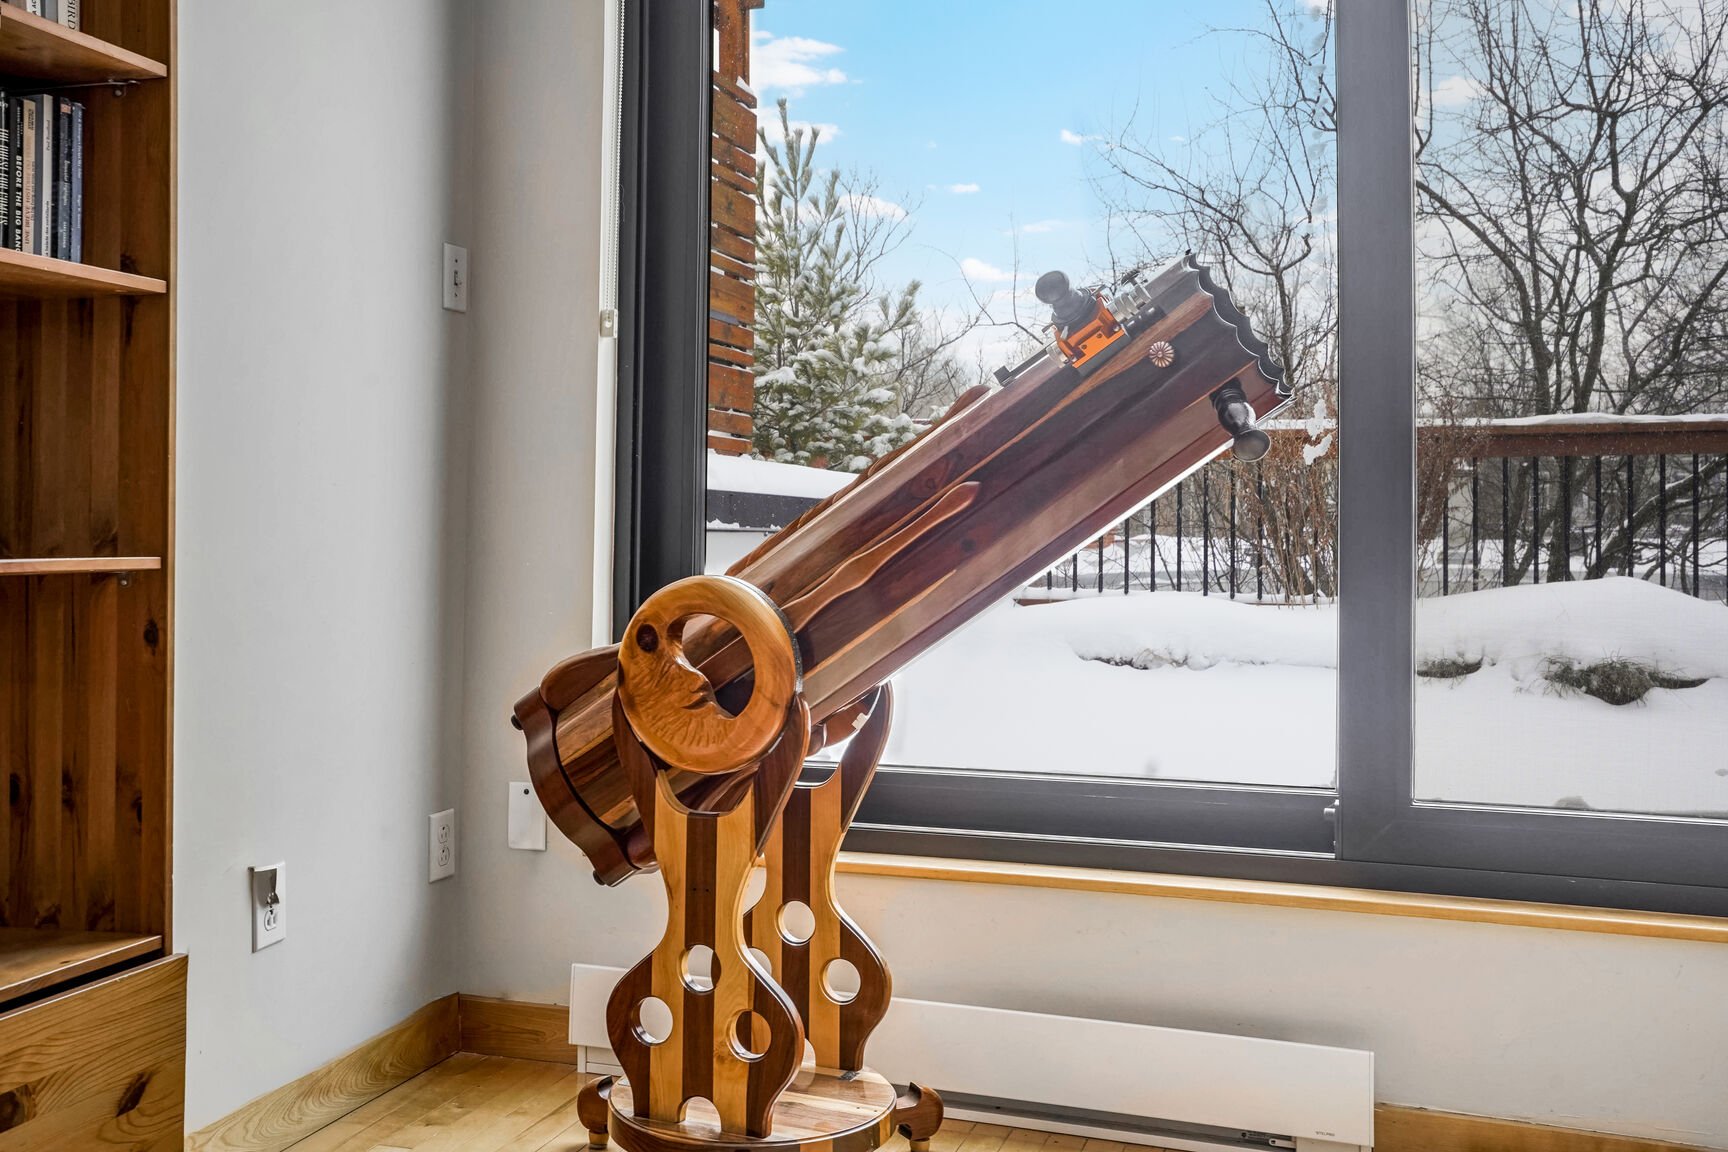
{"x":1007,"y":483}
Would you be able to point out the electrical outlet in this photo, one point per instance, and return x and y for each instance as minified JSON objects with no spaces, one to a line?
{"x":441,"y":860}
{"x":269,"y":919}
{"x":455,"y":278}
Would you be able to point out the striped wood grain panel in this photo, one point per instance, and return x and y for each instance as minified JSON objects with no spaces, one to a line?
{"x":705,"y":861}
{"x":801,"y":852}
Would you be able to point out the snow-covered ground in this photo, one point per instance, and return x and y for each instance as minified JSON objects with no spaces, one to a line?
{"x":1180,"y":686}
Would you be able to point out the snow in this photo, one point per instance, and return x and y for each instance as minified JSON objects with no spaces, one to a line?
{"x":1178,"y":686}
{"x":744,"y":474}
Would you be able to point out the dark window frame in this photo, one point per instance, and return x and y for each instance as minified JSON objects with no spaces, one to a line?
{"x":1369,"y":832}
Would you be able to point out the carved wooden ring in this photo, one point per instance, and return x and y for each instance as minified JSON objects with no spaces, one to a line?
{"x":671,"y":705}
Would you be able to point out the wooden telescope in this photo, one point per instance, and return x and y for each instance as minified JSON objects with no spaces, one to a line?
{"x":680,"y":748}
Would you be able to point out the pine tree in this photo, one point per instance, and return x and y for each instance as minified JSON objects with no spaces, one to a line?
{"x":825,"y":338}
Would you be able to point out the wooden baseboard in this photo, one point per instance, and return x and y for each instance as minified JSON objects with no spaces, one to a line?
{"x":294,"y":1111}
{"x":517,"y":1029}
{"x":1420,"y":1130}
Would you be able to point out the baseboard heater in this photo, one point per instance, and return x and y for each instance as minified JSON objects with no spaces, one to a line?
{"x":1197,"y":1091}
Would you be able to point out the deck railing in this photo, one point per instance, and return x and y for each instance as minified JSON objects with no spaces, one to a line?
{"x":1499,"y":503}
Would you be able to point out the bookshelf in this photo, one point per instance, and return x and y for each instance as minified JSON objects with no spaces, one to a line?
{"x":89,"y":992}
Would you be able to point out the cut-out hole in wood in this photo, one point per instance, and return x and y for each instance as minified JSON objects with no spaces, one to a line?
{"x":700,"y":970}
{"x":841,"y":981}
{"x":761,"y":958}
{"x":797,"y":922}
{"x":750,"y":1037}
{"x":653,"y":1021}
{"x":754,"y":887}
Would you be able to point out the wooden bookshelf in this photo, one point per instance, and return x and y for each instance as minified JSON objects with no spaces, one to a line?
{"x":77,"y":565}
{"x":38,"y":960}
{"x":33,"y":48}
{"x":86,"y":597}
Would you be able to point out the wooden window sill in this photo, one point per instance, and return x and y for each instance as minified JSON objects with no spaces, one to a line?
{"x":1563,"y":917}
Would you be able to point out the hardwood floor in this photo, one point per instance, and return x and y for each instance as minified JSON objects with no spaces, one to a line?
{"x":495,"y":1104}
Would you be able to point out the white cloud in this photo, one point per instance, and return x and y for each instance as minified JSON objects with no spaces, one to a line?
{"x":1070,"y":137}
{"x":1318,"y":7}
{"x":1454,"y":91}
{"x":873,"y":206}
{"x":1178,"y":139}
{"x":793,"y":63}
{"x":977,"y":270}
{"x":962,"y":189}
{"x":1040,"y":226}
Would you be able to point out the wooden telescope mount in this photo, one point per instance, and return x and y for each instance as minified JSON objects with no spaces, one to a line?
{"x":681,"y":747}
{"x":746,"y":987}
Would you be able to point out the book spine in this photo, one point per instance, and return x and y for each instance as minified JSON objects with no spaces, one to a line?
{"x":50,"y":10}
{"x":77,"y":252}
{"x":5,"y":170}
{"x":28,"y":174}
{"x":15,"y":113}
{"x":62,"y":179}
{"x":44,"y":175}
{"x":69,"y":14}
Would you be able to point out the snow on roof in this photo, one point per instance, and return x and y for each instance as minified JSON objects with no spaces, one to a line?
{"x":744,"y":474}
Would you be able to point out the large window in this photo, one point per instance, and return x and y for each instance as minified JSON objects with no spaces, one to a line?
{"x":1462,"y":629}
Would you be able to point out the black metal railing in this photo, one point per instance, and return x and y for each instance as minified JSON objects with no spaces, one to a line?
{"x":1507,"y":503}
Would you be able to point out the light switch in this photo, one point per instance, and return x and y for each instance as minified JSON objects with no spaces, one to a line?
{"x":527,"y":824}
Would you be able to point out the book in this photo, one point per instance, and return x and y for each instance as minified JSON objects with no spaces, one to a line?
{"x":15,"y":118}
{"x":69,"y":14}
{"x":62,"y":198}
{"x":5,"y":170}
{"x":27,"y":173}
{"x":50,"y":10}
{"x":45,"y":182}
{"x":77,"y":252}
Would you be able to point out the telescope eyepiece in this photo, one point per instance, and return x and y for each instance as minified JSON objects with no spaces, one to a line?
{"x":1236,"y":417}
{"x":1069,"y":306}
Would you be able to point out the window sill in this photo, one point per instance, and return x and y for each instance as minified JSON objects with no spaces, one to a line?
{"x":1659,"y":925}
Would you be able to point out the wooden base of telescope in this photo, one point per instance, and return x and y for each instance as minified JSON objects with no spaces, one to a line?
{"x":712,"y":1027}
{"x":821,"y":1111}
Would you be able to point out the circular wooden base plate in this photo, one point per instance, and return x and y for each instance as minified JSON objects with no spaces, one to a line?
{"x":821,"y":1111}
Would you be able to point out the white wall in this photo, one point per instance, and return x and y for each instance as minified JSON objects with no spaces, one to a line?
{"x":1589,"y":1031}
{"x":536,"y":291}
{"x":321,"y":493}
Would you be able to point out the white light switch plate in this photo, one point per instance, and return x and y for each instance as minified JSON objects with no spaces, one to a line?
{"x":527,"y":825}
{"x":455,"y":278}
{"x":441,"y":845}
{"x":269,"y":918}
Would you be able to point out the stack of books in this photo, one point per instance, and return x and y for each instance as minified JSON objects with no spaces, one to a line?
{"x":60,"y":11}
{"x":42,"y":175}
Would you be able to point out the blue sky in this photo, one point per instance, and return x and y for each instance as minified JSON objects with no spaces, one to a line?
{"x":975,"y":114}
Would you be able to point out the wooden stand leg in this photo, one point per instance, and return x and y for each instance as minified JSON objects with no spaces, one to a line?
{"x":918,"y":1115}
{"x":801,"y":852}
{"x":593,"y":1106}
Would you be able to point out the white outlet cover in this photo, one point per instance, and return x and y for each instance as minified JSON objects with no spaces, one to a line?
{"x":269,"y":916}
{"x":527,"y":823}
{"x":441,"y":845}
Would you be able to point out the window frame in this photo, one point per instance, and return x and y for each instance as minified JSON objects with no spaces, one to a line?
{"x":1368,"y":832}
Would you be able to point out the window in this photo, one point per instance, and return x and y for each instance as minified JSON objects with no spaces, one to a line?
{"x":1461,"y":630}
